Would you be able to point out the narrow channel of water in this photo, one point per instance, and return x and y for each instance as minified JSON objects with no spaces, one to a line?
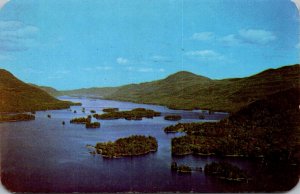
{"x":45,"y":156}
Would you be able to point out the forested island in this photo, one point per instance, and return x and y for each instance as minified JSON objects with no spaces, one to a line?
{"x":265,"y":128}
{"x":180,"y":168}
{"x":221,"y":170}
{"x":80,"y":120}
{"x":129,"y":146}
{"x":172,"y":117}
{"x":92,"y":125}
{"x":16,"y":117}
{"x":86,"y":121}
{"x":134,"y":114}
{"x":110,"y":109}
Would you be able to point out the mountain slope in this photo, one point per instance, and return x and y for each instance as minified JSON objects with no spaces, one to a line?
{"x":49,"y":90}
{"x":172,"y":84}
{"x":17,"y":96}
{"x":185,"y":90}
{"x":161,"y":91}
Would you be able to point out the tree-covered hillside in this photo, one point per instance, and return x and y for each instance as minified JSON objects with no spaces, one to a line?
{"x":17,"y":96}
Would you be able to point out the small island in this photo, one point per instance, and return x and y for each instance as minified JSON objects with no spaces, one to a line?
{"x":86,"y":121}
{"x":172,"y":117}
{"x":92,"y":111}
{"x":134,"y":114}
{"x":175,"y":128}
{"x":129,"y":146}
{"x":180,"y":168}
{"x":201,"y":116}
{"x":92,"y":125}
{"x":81,"y":120}
{"x":225,"y":171}
{"x":110,"y":109}
{"x":16,"y":117}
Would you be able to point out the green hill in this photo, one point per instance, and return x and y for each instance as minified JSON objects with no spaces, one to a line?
{"x":17,"y":96}
{"x":138,"y":90}
{"x":166,"y":91}
{"x":185,"y":90}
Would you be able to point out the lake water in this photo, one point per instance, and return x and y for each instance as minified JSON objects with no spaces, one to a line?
{"x":45,"y":156}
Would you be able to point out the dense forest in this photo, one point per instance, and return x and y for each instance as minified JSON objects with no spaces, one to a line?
{"x":265,"y":128}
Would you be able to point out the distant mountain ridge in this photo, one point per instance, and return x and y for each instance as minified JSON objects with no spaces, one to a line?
{"x":179,"y":92}
{"x":185,"y":90}
{"x":17,"y":96}
{"x":96,"y":92}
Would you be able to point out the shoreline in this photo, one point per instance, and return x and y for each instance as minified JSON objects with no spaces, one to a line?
{"x":127,"y":155}
{"x":214,"y":154}
{"x":43,"y":109}
{"x":12,"y":121}
{"x":144,"y":103}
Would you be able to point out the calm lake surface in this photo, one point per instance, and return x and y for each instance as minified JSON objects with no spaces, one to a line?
{"x":45,"y":156}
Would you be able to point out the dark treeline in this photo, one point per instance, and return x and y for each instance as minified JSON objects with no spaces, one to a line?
{"x":16,"y":117}
{"x":134,"y":114}
{"x":224,"y":170}
{"x":172,"y":117}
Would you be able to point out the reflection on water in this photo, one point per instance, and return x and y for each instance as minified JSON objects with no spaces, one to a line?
{"x":45,"y":156}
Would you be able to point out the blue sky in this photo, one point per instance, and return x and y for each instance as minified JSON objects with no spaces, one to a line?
{"x":71,"y":44}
